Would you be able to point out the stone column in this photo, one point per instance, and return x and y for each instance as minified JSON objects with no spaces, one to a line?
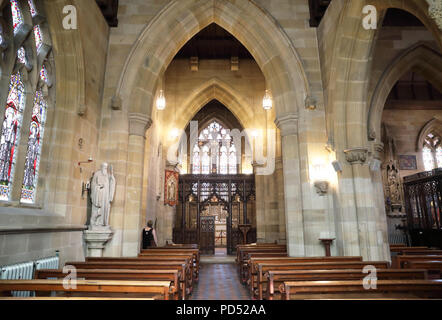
{"x":370,"y":237}
{"x":280,"y":196}
{"x":288,"y":124}
{"x":133,"y":217}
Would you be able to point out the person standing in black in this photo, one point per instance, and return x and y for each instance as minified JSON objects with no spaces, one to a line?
{"x":149,"y":236}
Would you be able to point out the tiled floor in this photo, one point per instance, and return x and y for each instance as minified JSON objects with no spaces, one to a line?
{"x":219,"y":282}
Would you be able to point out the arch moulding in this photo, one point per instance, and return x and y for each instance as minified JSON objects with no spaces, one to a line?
{"x":181,"y":20}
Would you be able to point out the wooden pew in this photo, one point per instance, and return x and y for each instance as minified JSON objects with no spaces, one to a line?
{"x":186,"y":258}
{"x":98,"y":288}
{"x":121,"y":274}
{"x":395,"y":245}
{"x":429,"y":252}
{"x":171,"y":250}
{"x":182,"y":245}
{"x":261,"y":268}
{"x":429,"y":289}
{"x":402,"y":261}
{"x":243,"y":254}
{"x":434,"y":267}
{"x":252,"y":270}
{"x":275,"y":278}
{"x":248,"y":255}
{"x":402,"y":249}
{"x":253,"y":245}
{"x":186,"y":275}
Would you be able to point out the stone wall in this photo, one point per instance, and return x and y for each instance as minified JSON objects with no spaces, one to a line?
{"x":80,"y":58}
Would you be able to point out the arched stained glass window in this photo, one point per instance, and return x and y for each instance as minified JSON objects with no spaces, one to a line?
{"x":218,"y":152}
{"x":15,"y":151}
{"x":432,"y":152}
{"x":17,"y":17}
{"x":36,"y":131}
{"x":10,"y":135}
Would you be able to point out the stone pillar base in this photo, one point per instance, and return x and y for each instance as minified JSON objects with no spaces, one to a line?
{"x":96,"y":240}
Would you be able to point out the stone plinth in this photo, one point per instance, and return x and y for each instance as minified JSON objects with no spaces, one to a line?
{"x":96,"y":240}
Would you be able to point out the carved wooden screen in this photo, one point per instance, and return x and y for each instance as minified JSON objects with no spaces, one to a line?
{"x":236,"y":194}
{"x":423,"y":199}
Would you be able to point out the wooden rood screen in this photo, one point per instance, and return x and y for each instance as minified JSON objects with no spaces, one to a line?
{"x":423,"y":200}
{"x":234,"y":194}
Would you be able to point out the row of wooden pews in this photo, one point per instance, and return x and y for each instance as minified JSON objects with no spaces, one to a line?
{"x":159,"y":273}
{"x":271,"y":274}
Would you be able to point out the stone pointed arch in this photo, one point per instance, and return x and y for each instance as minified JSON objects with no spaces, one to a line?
{"x":419,"y":57}
{"x":181,"y":20}
{"x":215,"y":89}
{"x":431,"y":125}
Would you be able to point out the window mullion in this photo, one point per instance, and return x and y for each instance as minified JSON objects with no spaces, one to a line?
{"x":23,"y":145}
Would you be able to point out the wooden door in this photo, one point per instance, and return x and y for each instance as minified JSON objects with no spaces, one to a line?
{"x":207,"y":235}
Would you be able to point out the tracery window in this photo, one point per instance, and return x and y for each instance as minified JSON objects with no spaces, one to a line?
{"x":26,"y":102}
{"x":218,"y":151}
{"x":432,"y":152}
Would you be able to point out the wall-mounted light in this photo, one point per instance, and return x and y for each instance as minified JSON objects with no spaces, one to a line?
{"x":337,"y":166}
{"x":267,"y":102}
{"x":161,"y":101}
{"x":87,"y":161}
{"x":174,"y":133}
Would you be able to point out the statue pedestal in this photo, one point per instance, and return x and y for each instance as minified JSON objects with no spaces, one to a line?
{"x":96,"y":239}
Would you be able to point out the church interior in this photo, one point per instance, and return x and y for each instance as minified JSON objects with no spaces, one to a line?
{"x":254,"y":143}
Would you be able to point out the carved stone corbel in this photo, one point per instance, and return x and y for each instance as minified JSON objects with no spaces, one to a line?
{"x":116,"y":103}
{"x":356,"y":155}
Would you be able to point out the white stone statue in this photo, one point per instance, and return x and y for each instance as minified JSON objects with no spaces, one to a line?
{"x":102,"y":194}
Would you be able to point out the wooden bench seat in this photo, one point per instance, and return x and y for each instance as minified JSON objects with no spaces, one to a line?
{"x":98,"y":288}
{"x":170,"y":250}
{"x":274,"y":278}
{"x":185,"y":258}
{"x":252,"y":270}
{"x":434,"y":267}
{"x":186,"y":275}
{"x":261,"y":268}
{"x":402,"y":261}
{"x":121,"y":274}
{"x":429,"y":289}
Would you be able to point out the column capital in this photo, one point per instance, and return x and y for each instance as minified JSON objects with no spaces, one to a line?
{"x":138,"y":124}
{"x":356,"y":155}
{"x":288,"y":124}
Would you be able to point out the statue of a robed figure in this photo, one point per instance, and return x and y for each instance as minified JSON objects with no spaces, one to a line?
{"x":102,"y":191}
{"x":102,"y":194}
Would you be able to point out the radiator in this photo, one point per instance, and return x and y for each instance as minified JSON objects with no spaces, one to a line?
{"x":26,"y":270}
{"x":47,"y":263}
{"x":18,"y":271}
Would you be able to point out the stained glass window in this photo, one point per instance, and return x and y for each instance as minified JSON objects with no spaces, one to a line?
{"x":44,"y":74}
{"x":38,"y":37}
{"x":32,"y":8}
{"x":21,"y":55}
{"x":218,"y":152}
{"x":205,"y":161}
{"x":11,"y":134}
{"x":34,"y":148}
{"x":232,"y":160}
{"x":196,"y":166}
{"x":432,"y":152}
{"x":17,"y":17}
{"x":439,"y":156}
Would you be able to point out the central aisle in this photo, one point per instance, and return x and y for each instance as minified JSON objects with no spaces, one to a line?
{"x":219,"y":281}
